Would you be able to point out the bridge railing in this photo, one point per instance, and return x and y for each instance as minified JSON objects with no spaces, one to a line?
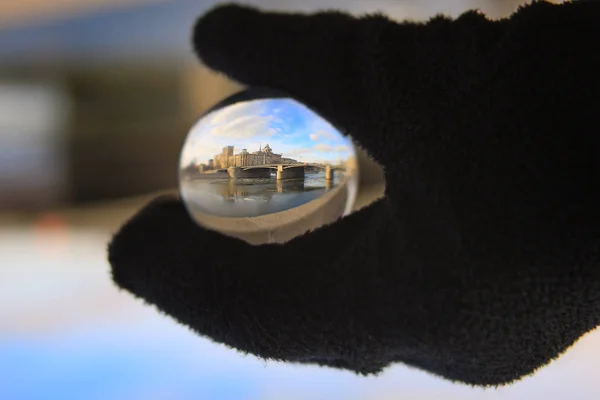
{"x":323,"y":166}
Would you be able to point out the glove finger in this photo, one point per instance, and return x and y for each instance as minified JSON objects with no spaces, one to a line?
{"x":323,"y":60}
{"x":295,"y":302}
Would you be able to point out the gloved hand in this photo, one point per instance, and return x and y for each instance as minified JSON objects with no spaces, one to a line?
{"x":481,"y":263}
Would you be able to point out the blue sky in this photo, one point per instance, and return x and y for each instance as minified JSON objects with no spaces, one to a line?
{"x":287,"y":126}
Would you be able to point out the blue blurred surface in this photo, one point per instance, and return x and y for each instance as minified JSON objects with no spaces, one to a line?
{"x":158,"y":31}
{"x":67,"y":333}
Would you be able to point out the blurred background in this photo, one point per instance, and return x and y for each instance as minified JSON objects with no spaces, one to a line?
{"x":96,"y":98}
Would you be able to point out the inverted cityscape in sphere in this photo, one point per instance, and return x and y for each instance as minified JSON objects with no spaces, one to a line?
{"x":264,"y":156}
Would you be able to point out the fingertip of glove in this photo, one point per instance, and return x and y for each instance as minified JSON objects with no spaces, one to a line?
{"x":126,"y":249}
{"x":218,"y":31}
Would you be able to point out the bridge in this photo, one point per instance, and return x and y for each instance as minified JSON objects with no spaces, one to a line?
{"x":284,"y":171}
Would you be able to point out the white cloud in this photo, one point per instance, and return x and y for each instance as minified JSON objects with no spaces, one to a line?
{"x":298,"y":152}
{"x":322,"y":147}
{"x":329,"y":135}
{"x":325,"y":134}
{"x":202,"y":150}
{"x":246,"y":127}
{"x":341,"y":148}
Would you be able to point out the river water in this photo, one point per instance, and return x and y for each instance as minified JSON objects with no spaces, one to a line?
{"x":254,"y":197}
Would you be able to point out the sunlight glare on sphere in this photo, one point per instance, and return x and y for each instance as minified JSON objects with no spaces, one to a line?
{"x":267,"y":168}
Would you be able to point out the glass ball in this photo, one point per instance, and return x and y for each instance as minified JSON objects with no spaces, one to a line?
{"x":264,"y":168}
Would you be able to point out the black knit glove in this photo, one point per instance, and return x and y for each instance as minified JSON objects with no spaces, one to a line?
{"x":481,"y":263}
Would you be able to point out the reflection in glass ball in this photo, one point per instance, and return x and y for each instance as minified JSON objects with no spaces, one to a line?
{"x":266,"y":170}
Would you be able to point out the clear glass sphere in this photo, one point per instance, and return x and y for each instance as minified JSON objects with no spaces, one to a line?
{"x":266,"y":170}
